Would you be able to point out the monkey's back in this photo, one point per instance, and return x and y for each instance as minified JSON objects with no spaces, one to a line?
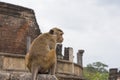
{"x":40,"y":53}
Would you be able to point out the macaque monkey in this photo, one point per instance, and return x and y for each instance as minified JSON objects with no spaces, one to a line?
{"x":42,"y":53}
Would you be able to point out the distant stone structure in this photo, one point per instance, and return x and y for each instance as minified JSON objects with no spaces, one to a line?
{"x":59,"y":51}
{"x":18,"y":28}
{"x":68,"y":54}
{"x":114,"y":74}
{"x":79,"y":57}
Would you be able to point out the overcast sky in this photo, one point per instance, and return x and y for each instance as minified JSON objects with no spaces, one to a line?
{"x":92,"y":25}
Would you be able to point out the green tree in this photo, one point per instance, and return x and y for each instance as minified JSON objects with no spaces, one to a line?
{"x":96,"y":71}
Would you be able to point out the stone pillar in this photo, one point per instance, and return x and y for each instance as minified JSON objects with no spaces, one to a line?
{"x":68,"y":54}
{"x":79,"y":57}
{"x":59,"y":51}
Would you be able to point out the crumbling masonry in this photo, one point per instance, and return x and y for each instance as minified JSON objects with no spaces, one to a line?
{"x":18,"y":28}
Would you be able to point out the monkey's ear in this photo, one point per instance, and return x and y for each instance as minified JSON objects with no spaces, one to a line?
{"x":51,"y":31}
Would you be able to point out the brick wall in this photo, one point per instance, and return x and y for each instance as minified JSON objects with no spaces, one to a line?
{"x":16,"y":24}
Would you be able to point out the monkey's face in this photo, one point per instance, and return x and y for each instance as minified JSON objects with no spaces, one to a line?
{"x":59,"y":37}
{"x":59,"y":34}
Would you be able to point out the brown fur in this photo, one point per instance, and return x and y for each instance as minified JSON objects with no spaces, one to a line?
{"x":42,"y":53}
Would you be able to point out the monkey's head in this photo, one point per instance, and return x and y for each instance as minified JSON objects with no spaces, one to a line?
{"x":58,"y":33}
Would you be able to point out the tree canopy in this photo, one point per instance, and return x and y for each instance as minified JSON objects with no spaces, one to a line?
{"x":96,"y":71}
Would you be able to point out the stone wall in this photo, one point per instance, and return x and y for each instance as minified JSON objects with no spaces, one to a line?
{"x":67,"y":67}
{"x":10,"y":63}
{"x":16,"y":62}
{"x":17,"y":25}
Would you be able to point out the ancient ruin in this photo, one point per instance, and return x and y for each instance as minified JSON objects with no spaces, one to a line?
{"x":114,"y":74}
{"x":18,"y":28}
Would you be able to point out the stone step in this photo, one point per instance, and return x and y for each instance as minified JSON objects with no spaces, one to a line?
{"x":24,"y":76}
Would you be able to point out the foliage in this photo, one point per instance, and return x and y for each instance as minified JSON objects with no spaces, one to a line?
{"x":96,"y":71}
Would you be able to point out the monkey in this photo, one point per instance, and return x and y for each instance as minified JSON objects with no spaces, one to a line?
{"x":42,"y":52}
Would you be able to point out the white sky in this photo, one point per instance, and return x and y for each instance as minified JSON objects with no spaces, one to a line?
{"x":92,"y":25}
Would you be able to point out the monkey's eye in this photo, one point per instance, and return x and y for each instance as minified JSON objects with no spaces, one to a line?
{"x":61,"y":34}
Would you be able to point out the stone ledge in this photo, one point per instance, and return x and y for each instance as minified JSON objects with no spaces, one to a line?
{"x":12,"y":55}
{"x":24,"y":76}
{"x":27,"y":76}
{"x":39,"y":77}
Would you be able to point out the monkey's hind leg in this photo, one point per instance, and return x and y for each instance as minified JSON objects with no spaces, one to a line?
{"x":34,"y":70}
{"x":52,"y":69}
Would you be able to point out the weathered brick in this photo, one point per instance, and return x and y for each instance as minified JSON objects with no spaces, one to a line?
{"x":16,"y":23}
